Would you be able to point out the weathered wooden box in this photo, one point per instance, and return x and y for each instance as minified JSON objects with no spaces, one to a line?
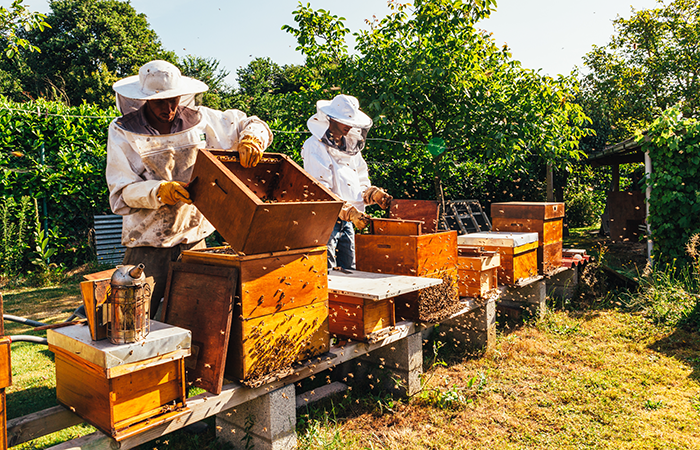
{"x":280,"y":315}
{"x":478,"y":271}
{"x":359,"y":318}
{"x":546,"y":219}
{"x":425,"y":211}
{"x":397,"y":247}
{"x":518,"y":252}
{"x":272,"y":207}
{"x":121,"y":389}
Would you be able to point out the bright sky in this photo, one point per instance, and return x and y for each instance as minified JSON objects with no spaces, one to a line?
{"x":551,"y":35}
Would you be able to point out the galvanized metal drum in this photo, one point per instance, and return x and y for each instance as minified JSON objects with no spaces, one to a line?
{"x":129,"y":304}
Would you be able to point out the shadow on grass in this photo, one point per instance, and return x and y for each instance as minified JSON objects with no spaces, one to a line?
{"x":682,"y":345}
{"x":30,"y":400}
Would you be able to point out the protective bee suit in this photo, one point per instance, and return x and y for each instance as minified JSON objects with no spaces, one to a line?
{"x":141,"y":162}
{"x":333,"y":156}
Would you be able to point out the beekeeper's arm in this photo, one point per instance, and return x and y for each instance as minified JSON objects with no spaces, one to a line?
{"x":232,"y":129}
{"x":128,"y":190}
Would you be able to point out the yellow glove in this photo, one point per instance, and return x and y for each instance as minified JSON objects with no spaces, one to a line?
{"x":171,"y":192}
{"x":250,"y":150}
{"x":352,"y":214}
{"x":377,"y":195}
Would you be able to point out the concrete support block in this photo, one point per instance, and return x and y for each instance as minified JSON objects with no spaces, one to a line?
{"x":265,"y":423}
{"x":475,"y":329}
{"x":530,"y":297}
{"x":402,"y":362}
{"x":563,"y":284}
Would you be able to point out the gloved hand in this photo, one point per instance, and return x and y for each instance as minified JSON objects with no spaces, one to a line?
{"x":171,"y":192}
{"x":377,"y":195}
{"x":250,"y":150}
{"x":352,"y":214}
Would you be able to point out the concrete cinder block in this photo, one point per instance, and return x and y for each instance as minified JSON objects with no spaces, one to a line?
{"x":267,"y":422}
{"x":403,"y":360}
{"x":475,"y":329}
{"x":531,"y":297}
{"x":563,"y":284}
{"x":318,"y":394}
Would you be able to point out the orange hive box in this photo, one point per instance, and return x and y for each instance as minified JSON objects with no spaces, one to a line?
{"x":478,"y":271}
{"x":280,"y":315}
{"x":121,"y":389}
{"x":546,"y":219}
{"x":274,"y":206}
{"x":398,"y":247}
{"x":518,"y":252}
{"x":426,"y":211}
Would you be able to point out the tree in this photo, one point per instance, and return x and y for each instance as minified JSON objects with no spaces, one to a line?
{"x":18,"y":17}
{"x":90,"y":45}
{"x":431,"y":80}
{"x":650,"y":64}
{"x":220,"y":94}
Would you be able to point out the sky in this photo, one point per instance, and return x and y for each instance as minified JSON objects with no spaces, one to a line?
{"x":550,"y":35}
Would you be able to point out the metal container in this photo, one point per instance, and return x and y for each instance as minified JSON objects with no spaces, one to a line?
{"x":129,"y":302}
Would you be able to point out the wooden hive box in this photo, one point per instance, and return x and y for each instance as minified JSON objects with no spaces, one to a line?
{"x":398,"y":247}
{"x":121,"y":389}
{"x":518,"y":253}
{"x":478,"y":271}
{"x":280,"y":315}
{"x":545,"y":219}
{"x":274,"y":206}
{"x":426,"y":211}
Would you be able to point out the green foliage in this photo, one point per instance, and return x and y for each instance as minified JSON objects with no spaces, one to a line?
{"x":90,"y":44}
{"x":220,"y":95}
{"x":14,"y":233}
{"x":68,"y":179}
{"x":583,"y":206}
{"x":673,"y":144}
{"x":427,"y":73}
{"x":16,"y":18}
{"x":649,"y":65}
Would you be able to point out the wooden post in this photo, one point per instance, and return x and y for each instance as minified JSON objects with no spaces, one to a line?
{"x":4,"y":371}
{"x":550,"y":183}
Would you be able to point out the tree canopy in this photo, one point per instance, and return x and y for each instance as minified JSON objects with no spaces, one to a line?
{"x":90,"y":44}
{"x":650,"y":64}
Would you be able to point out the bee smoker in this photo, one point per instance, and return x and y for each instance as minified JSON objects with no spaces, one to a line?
{"x":128,"y":305}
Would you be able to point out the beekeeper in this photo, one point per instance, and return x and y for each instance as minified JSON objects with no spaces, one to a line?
{"x":151,"y":150}
{"x":333,"y":156}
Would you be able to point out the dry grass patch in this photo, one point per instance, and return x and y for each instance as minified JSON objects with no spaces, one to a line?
{"x":603,"y":380}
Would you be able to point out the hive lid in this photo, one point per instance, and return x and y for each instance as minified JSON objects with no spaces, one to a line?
{"x":527,"y":210}
{"x":161,"y":340}
{"x":497,"y":238}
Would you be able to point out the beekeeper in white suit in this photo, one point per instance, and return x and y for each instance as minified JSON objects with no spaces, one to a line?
{"x":151,"y":151}
{"x":333,"y":156}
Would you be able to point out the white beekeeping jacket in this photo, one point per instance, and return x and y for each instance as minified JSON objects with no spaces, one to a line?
{"x":345,"y":174}
{"x":138,"y":163}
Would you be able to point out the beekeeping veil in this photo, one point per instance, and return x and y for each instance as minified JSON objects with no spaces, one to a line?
{"x":156,"y":80}
{"x":344,"y":109}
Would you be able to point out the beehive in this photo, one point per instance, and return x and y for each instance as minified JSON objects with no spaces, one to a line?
{"x":281,"y":311}
{"x":478,"y":271}
{"x":425,"y":211}
{"x":358,"y":318}
{"x":545,"y":219}
{"x":424,"y":255}
{"x":518,"y":252}
{"x":121,"y":389}
{"x":274,"y":206}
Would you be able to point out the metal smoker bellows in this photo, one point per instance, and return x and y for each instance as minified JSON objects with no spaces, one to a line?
{"x":129,"y":302}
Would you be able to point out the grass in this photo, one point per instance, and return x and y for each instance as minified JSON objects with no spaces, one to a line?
{"x":605,"y":379}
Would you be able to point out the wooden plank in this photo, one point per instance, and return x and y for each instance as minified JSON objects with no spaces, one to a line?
{"x":38,"y":424}
{"x":426,"y":211}
{"x":395,"y":227}
{"x":375,"y":286}
{"x":200,"y":298}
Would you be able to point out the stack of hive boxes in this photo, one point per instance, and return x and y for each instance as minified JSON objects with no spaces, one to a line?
{"x":545,"y":219}
{"x":276,"y":219}
{"x":517,"y":252}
